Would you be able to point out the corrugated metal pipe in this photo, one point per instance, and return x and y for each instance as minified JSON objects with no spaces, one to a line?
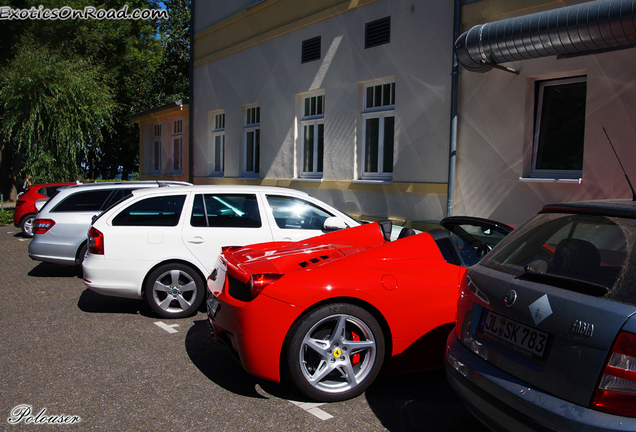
{"x":596,"y":25}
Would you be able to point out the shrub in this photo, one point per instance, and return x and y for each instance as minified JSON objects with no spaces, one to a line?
{"x":6,"y":216}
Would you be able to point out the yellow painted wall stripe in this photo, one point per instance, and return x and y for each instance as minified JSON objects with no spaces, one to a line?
{"x":263,"y":21}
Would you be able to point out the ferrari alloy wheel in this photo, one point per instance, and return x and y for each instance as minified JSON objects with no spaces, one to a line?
{"x":335,"y":352}
{"x":174,"y":290}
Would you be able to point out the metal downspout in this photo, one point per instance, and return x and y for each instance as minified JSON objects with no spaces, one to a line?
{"x":452,"y":161}
{"x":191,"y":98}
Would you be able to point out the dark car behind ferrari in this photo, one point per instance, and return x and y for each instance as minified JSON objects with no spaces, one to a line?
{"x":545,"y":337}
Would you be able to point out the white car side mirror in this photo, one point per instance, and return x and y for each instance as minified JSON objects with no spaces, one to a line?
{"x":40,"y":203}
{"x":334,"y":224}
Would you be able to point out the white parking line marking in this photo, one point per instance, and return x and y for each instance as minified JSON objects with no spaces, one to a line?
{"x":312,"y":408}
{"x":166,"y":327}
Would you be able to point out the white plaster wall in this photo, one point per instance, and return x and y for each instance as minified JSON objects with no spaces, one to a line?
{"x":209,"y":12}
{"x":418,"y":56}
{"x":495,"y":133}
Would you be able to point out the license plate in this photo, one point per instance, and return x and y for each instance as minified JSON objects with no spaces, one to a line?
{"x":519,"y":337}
{"x":213,"y":305}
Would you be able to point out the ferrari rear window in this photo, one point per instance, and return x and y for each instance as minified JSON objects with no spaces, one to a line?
{"x":585,"y":253}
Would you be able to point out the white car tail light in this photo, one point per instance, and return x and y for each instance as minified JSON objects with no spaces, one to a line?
{"x":40,"y":226}
{"x":95,"y":242}
{"x":616,"y":392}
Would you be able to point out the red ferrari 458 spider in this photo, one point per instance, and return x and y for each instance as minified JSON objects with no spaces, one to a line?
{"x":332,"y":311}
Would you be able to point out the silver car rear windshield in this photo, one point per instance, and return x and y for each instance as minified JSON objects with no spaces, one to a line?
{"x":585,"y":253}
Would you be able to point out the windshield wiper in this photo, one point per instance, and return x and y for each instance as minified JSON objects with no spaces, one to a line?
{"x":571,"y":284}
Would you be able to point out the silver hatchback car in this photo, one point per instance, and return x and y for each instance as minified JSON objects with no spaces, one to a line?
{"x":61,"y":226}
{"x":545,"y":337}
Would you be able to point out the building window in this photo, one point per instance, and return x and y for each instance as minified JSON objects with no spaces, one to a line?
{"x":311,"y":50}
{"x":177,"y":144}
{"x":377,"y":32}
{"x":559,"y":129}
{"x":378,"y":138}
{"x":156,"y":148}
{"x":313,"y":135}
{"x":218,"y":145}
{"x":252,"y":140}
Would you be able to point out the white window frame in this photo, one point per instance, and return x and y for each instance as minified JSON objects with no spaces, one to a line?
{"x":312,"y":116}
{"x":251,"y":138}
{"x":537,"y":128}
{"x":177,"y":146}
{"x":156,"y":148}
{"x":382,"y":106}
{"x":218,"y":144}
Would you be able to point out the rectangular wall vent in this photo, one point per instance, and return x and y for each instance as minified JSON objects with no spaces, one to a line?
{"x":377,"y":32}
{"x":311,"y":49}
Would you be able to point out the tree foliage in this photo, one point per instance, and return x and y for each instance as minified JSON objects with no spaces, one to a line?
{"x":54,"y":109}
{"x":67,"y":86}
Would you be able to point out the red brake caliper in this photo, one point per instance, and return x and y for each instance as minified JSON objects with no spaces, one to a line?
{"x":355,"y":359}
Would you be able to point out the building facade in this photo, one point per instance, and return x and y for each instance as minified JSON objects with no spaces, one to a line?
{"x":538,"y":136}
{"x":353,"y":102}
{"x":164,"y":142}
{"x":348,"y":101}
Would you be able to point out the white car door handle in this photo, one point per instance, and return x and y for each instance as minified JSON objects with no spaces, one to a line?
{"x":196,"y":240}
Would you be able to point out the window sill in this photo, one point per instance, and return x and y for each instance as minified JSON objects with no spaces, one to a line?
{"x":550,"y":180}
{"x":376,"y":181}
{"x":311,"y":179}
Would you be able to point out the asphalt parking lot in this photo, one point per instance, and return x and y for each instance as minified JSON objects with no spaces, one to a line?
{"x":99,"y":363}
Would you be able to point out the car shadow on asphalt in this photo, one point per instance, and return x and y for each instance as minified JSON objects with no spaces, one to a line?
{"x":54,"y":270}
{"x":92,"y":302}
{"x":216,"y":362}
{"x":422,"y":401}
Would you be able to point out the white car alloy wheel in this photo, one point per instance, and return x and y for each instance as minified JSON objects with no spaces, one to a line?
{"x":174,"y":290}
{"x":335,"y":352}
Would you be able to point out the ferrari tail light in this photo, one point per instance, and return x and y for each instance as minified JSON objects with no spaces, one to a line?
{"x":616,"y":391}
{"x":95,"y":242}
{"x":260,"y":281}
{"x":40,"y":226}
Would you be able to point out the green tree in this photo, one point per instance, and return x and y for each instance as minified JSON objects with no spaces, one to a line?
{"x":173,"y":77}
{"x":52,"y":109}
{"x":125,"y":66}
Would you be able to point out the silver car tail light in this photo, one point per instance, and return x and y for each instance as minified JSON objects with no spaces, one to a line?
{"x":40,"y":226}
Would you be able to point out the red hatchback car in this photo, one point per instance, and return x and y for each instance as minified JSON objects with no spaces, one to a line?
{"x":331,"y":312}
{"x":25,"y":210}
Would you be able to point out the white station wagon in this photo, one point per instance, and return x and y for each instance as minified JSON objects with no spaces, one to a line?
{"x":162,"y":244}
